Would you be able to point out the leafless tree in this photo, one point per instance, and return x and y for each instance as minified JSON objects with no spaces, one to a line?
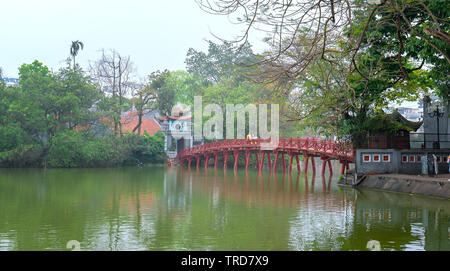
{"x":320,"y":25}
{"x":323,"y":39}
{"x":114,"y":74}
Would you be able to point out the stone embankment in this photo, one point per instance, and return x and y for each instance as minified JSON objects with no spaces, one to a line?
{"x":438,"y":186}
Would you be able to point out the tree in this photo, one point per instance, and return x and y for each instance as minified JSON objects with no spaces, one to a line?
{"x":340,"y":62}
{"x":51,"y":118}
{"x":323,"y":26}
{"x":186,"y":86}
{"x":221,"y":61}
{"x":74,"y":48}
{"x":144,"y":101}
{"x":165,"y":95}
{"x":114,"y":74}
{"x":43,"y":105}
{"x":2,"y":83}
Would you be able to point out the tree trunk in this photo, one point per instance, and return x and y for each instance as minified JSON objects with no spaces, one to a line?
{"x":138,"y":126}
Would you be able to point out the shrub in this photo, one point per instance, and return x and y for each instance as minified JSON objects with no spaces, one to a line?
{"x":81,"y":149}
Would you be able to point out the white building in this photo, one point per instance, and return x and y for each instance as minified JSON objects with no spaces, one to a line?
{"x":11,"y":81}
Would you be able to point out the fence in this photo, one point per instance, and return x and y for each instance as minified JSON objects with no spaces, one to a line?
{"x":429,"y":140}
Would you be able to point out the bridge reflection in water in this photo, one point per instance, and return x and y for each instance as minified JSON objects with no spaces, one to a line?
{"x":324,"y":217}
{"x":154,"y":208}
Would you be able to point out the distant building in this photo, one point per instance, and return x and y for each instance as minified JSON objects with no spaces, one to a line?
{"x":413,"y":155}
{"x":11,"y":81}
{"x":149,"y":123}
{"x":178,"y":129}
{"x":129,"y":120}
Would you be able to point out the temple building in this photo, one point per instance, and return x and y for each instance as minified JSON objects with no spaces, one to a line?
{"x":416,"y":147}
{"x":178,"y":130}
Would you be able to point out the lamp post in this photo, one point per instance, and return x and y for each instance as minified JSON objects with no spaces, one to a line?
{"x":435,"y":110}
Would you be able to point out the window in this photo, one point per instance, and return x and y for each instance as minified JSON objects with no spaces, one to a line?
{"x":412,"y":159}
{"x":419,"y":159}
{"x":376,"y":158}
{"x":404,"y":158}
{"x":386,"y":158}
{"x":366,"y":158}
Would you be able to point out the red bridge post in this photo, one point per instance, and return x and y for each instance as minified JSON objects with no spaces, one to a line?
{"x":261,"y":164}
{"x":236,"y":159}
{"x":247,"y":159}
{"x":275,"y":162}
{"x":305,"y":170}
{"x":216,"y":159}
{"x":324,"y":163}
{"x":291,"y":157}
{"x":198,"y":161}
{"x":270,"y":161}
{"x":225,"y":159}
{"x":206,"y":161}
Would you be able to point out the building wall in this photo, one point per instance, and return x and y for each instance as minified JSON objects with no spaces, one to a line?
{"x":396,"y":161}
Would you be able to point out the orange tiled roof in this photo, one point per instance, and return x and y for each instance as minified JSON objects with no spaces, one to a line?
{"x":148,"y":125}
{"x":128,"y":124}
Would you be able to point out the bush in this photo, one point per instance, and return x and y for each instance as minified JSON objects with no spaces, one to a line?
{"x":145,"y":149}
{"x":17,"y":149}
{"x":80,"y":149}
{"x":66,"y":150}
{"x":22,"y":156}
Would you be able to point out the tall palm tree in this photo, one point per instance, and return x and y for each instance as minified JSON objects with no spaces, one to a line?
{"x":76,"y":46}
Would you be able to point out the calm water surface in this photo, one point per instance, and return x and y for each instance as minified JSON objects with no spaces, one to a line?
{"x":155,"y":208}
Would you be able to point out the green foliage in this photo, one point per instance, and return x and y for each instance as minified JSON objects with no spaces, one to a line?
{"x":395,"y":61}
{"x":165,"y":95}
{"x":22,"y":156}
{"x":48,"y":121}
{"x":186,"y":86}
{"x":145,"y":149}
{"x":80,"y":149}
{"x":226,"y":92}
{"x":221,"y":61}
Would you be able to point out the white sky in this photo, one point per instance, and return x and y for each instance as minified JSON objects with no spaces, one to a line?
{"x":155,"y":33}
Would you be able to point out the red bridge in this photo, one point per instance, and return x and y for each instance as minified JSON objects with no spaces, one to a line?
{"x":307,"y":147}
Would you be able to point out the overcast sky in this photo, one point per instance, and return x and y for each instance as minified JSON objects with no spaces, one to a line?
{"x":155,"y":33}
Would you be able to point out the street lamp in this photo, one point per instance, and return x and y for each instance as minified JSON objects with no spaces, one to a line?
{"x":435,"y":109}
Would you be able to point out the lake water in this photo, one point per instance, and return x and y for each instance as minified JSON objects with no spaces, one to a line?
{"x":155,"y":208}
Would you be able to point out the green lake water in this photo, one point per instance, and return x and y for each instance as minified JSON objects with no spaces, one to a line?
{"x":155,"y":208}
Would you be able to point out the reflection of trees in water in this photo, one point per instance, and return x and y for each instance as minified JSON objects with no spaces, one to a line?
{"x":322,"y":221}
{"x":98,"y":207}
{"x":151,"y":208}
{"x":400,"y":222}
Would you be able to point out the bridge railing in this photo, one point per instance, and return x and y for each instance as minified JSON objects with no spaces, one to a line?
{"x":313,"y":145}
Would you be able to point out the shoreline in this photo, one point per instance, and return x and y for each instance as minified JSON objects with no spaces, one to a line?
{"x":121,"y":166}
{"x":437,"y":187}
